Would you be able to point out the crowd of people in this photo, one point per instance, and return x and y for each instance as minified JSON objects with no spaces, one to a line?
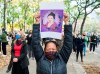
{"x":83,"y":42}
{"x":53,"y":56}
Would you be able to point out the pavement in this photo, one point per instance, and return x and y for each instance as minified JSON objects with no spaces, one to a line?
{"x":73,"y":67}
{"x":98,"y":49}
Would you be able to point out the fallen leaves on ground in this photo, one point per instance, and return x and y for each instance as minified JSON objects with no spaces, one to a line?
{"x":4,"y":61}
{"x":91,"y":68}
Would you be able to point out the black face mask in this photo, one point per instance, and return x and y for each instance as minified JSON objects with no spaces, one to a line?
{"x":50,"y":55}
{"x":18,"y":42}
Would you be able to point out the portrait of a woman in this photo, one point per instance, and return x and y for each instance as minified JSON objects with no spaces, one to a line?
{"x":51,"y":25}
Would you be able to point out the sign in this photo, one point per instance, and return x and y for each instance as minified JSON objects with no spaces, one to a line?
{"x":51,"y":16}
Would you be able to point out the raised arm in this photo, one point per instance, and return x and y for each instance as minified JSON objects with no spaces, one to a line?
{"x":68,"y":41}
{"x":36,"y":46}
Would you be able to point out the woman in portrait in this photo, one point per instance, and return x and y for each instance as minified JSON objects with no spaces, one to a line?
{"x":51,"y":25}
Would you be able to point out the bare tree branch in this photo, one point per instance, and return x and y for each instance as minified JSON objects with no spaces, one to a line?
{"x":97,"y":6}
{"x":79,"y":4}
{"x":73,"y":16}
{"x":91,"y":3}
{"x":86,"y":2}
{"x":79,"y":9}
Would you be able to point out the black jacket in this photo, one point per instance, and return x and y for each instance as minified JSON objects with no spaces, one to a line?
{"x":29,"y":39}
{"x":58,"y":65}
{"x":93,"y":39}
{"x":80,"y":43}
{"x":24,"y":62}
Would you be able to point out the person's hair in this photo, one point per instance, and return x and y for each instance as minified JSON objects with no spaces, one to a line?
{"x":54,"y":42}
{"x":20,"y":29}
{"x":52,"y":14}
{"x":83,"y":35}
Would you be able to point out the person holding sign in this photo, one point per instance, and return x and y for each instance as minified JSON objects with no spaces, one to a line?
{"x":52,"y":61}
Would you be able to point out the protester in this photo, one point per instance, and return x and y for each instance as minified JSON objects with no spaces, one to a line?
{"x":88,"y":36}
{"x":74,"y":43}
{"x":50,"y":61}
{"x":93,"y":42}
{"x":11,"y":59}
{"x":98,"y":40}
{"x":29,"y":39}
{"x":4,"y":42}
{"x":80,"y":46}
{"x":85,"y":43}
{"x":19,"y":56}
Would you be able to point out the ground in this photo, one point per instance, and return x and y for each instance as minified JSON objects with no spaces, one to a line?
{"x":91,"y":64}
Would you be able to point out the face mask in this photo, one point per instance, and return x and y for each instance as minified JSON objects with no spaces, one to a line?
{"x":50,"y":55}
{"x":18,"y":36}
{"x":18,"y":42}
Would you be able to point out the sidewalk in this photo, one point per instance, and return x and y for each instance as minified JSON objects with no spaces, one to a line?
{"x":74,"y":67}
{"x":92,"y":63}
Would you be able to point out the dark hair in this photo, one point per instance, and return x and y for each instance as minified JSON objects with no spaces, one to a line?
{"x":20,"y":29}
{"x":52,"y":14}
{"x":84,"y":35}
{"x":46,"y":43}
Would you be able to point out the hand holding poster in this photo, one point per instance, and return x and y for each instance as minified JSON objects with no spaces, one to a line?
{"x":51,"y":19}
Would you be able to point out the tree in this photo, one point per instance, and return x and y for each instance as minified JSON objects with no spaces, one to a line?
{"x":5,"y":13}
{"x":80,"y":12}
{"x":92,"y":4}
{"x":13,"y":14}
{"x":1,"y":12}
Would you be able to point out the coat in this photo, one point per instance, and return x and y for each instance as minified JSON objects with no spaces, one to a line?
{"x":58,"y":65}
{"x":23,"y":60}
{"x":80,"y":43}
{"x":4,"y":37}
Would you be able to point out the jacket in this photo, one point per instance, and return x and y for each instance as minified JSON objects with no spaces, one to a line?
{"x":4,"y":37}
{"x":58,"y":65}
{"x":80,"y":43}
{"x":93,"y":39}
{"x":29,"y":39}
{"x":23,"y":60}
